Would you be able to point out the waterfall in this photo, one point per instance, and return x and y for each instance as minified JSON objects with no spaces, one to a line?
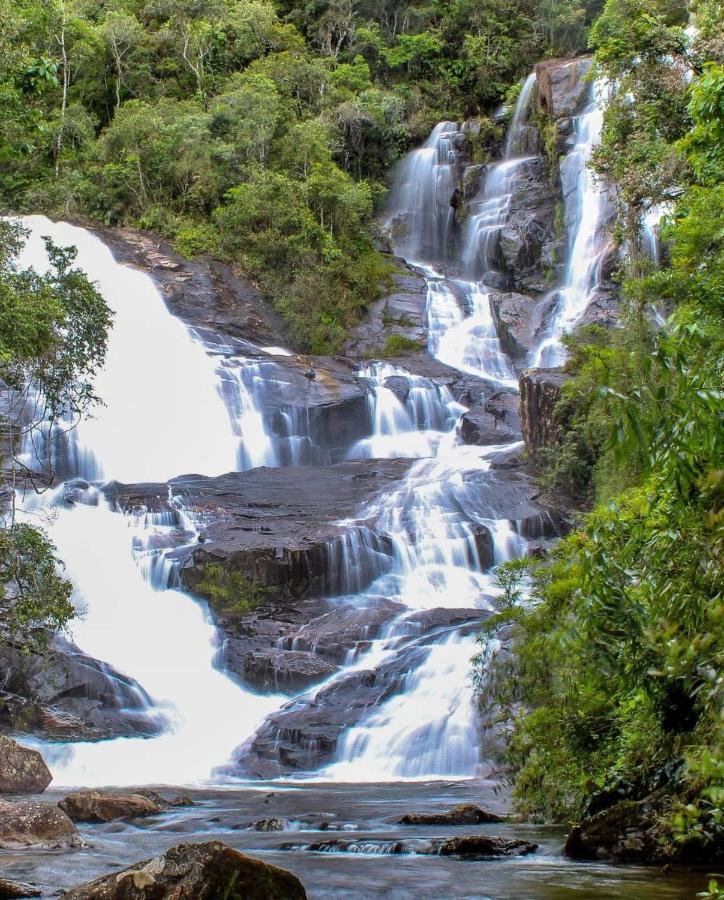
{"x":176,"y":403}
{"x":411,"y":426}
{"x":163,"y":415}
{"x":586,"y":207}
{"x":420,"y":216}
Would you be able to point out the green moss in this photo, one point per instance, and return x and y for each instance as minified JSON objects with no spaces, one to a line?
{"x":230,"y":591}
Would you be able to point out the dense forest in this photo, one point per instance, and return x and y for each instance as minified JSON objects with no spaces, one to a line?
{"x":260,"y":132}
{"x":263,"y":134}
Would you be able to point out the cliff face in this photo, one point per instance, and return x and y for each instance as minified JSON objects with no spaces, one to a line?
{"x":540,"y":390}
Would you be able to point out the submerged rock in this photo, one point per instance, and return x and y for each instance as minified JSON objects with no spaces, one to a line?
{"x":483,"y":845}
{"x":96,"y":806}
{"x":22,"y":770}
{"x":37,"y":825}
{"x":463,"y":814}
{"x":208,"y":871}
{"x":274,"y":824}
{"x":465,"y":847}
{"x":10,"y":889}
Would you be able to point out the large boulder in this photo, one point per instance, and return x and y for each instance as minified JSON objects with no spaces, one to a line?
{"x":540,"y":391}
{"x":206,"y":871}
{"x":22,"y":770}
{"x":562,"y":85}
{"x":9,"y":889}
{"x":517,"y":318}
{"x":623,"y":832}
{"x":37,"y":825}
{"x":97,"y":806}
{"x":462,"y":814}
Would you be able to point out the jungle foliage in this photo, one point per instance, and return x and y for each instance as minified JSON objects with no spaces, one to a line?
{"x":612,"y":684}
{"x":258,"y":131}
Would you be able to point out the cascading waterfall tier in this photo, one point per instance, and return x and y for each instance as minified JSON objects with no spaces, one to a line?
{"x":163,"y":415}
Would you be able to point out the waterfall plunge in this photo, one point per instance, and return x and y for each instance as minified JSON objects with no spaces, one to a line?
{"x":163,"y":416}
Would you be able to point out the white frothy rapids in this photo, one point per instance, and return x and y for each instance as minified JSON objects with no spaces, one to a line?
{"x":163,"y":416}
{"x":470,"y":342}
{"x":586,"y":206}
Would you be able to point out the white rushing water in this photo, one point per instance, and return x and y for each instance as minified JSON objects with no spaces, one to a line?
{"x":586,"y":205}
{"x":163,"y":416}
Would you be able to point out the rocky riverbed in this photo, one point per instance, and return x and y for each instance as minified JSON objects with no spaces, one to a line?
{"x":368,"y":816}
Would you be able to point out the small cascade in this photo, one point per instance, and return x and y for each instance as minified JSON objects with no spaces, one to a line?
{"x":420,"y":216}
{"x":586,"y":208}
{"x":489,"y":210}
{"x":240,"y":383}
{"x":469,"y":342}
{"x":410,"y":415}
{"x":488,"y":213}
{"x":522,"y":139}
{"x":427,"y":730}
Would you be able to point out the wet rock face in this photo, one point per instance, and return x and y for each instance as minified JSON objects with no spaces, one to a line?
{"x":517,"y":318}
{"x":95,"y":806}
{"x":494,"y":421}
{"x":464,"y":814}
{"x":65,"y":695}
{"x":531,"y":247}
{"x":276,"y":526}
{"x":206,"y":871}
{"x":540,"y":390}
{"x":400,"y":312}
{"x":562,"y":87}
{"x":22,"y":770}
{"x":37,"y":825}
{"x":274,"y":670}
{"x":202,"y":292}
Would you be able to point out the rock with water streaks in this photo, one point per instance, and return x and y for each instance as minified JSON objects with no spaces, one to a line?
{"x":208,"y":871}
{"x":562,"y":85}
{"x":37,"y":825}
{"x":22,"y":770}
{"x":63,"y":694}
